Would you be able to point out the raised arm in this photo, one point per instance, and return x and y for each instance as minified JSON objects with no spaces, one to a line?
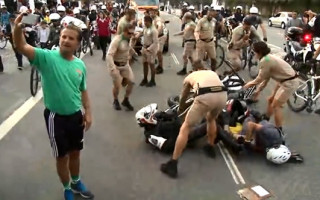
{"x":19,"y":41}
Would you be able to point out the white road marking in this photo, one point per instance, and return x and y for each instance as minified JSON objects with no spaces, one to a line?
{"x":236,"y":175}
{"x":175,"y":59}
{"x":19,"y":113}
{"x":228,"y":165}
{"x":237,"y":172}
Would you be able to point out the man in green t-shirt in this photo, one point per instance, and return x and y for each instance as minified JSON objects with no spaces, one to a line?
{"x":65,"y":94}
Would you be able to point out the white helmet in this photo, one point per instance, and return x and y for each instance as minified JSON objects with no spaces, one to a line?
{"x":61,"y":9}
{"x":146,"y":115}
{"x":278,"y":155}
{"x":185,"y":4}
{"x":115,"y":5}
{"x":76,"y":11}
{"x":54,"y":16}
{"x":100,"y":3}
{"x":217,"y":8}
{"x":23,"y":9}
{"x":83,"y":26}
{"x":206,"y":6}
{"x":191,"y":7}
{"x":239,"y":7}
{"x":93,"y":7}
{"x":103,"y":7}
{"x":254,"y":10}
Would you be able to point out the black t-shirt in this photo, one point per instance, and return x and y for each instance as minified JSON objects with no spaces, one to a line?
{"x":92,"y":17}
{"x":256,"y":21}
{"x":238,"y":17}
{"x":316,"y":27}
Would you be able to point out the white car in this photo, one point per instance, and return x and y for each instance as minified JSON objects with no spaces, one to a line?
{"x":280,"y":19}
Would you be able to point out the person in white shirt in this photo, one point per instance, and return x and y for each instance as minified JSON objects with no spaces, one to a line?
{"x":43,"y":34}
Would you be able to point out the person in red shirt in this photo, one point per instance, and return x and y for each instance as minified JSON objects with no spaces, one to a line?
{"x":104,"y":32}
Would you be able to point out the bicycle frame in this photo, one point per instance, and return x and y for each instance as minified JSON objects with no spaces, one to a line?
{"x":309,"y":83}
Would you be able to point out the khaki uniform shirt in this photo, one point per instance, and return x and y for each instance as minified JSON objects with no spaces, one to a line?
{"x":119,"y":51}
{"x":150,"y":39}
{"x":203,"y":78}
{"x":189,"y":31}
{"x":205,"y":28}
{"x":237,"y":35}
{"x":157,"y":22}
{"x":275,"y":68}
{"x":121,"y":24}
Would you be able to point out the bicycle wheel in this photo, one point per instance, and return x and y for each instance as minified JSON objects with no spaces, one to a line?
{"x":253,"y":67}
{"x":244,"y":58}
{"x":219,"y":56}
{"x":84,"y":46}
{"x":34,"y":81}
{"x":78,"y":52}
{"x":296,"y":102}
{"x":3,"y":42}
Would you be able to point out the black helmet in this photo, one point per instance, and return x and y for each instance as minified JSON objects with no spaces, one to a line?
{"x":295,"y":33}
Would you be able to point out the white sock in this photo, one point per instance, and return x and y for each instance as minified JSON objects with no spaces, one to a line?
{"x":157,"y":141}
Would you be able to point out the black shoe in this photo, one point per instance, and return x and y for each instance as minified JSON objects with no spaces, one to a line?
{"x":151,"y":83}
{"x":209,"y":151}
{"x":116,"y":105}
{"x":144,"y":82}
{"x":182,"y":72}
{"x":265,"y":117}
{"x":103,"y":58}
{"x":170,"y":168}
{"x":317,"y":111}
{"x":159,"y":70}
{"x":127,"y":104}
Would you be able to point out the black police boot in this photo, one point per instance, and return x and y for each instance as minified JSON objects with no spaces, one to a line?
{"x":127,"y":104}
{"x":144,"y":82}
{"x":182,"y":72}
{"x":116,"y":105}
{"x":159,"y":70}
{"x":151,"y":83}
{"x":170,"y":168}
{"x":209,"y":151}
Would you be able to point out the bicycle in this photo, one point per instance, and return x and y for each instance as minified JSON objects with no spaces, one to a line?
{"x":220,"y":52}
{"x":35,"y":79}
{"x":305,"y":92}
{"x":249,"y":59}
{"x":3,"y":37}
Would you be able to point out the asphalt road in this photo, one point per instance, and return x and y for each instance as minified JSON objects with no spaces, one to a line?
{"x":116,"y":162}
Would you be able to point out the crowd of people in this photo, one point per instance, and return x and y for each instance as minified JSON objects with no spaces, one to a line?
{"x":67,"y":104}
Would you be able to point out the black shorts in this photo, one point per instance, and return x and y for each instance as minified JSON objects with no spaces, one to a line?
{"x":65,"y":132}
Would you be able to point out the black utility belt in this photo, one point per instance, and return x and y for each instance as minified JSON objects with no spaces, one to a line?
{"x":121,"y":64}
{"x":191,"y":40}
{"x":212,"y":89}
{"x":289,"y":79}
{"x":207,"y":40}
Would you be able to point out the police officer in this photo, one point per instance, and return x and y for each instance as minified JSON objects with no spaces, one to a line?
{"x":157,"y":22}
{"x":125,"y":20}
{"x":204,"y":34}
{"x":210,"y":100}
{"x":149,"y":51}
{"x":190,"y":41}
{"x":118,"y":64}
{"x":240,"y":39}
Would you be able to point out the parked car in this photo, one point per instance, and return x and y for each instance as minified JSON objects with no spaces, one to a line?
{"x":280,"y":19}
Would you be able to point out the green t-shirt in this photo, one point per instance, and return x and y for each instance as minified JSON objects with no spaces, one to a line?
{"x":62,"y":81}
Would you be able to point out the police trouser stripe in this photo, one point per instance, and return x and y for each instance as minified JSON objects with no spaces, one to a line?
{"x":51,"y":134}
